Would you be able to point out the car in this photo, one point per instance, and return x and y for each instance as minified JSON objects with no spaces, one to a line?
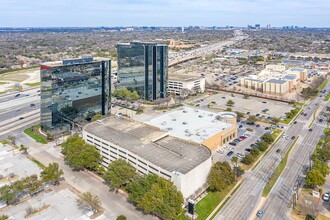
{"x":248,"y":149}
{"x":240,"y":126}
{"x":240,"y":155}
{"x":257,"y":125}
{"x":260,"y":213}
{"x":233,"y":143}
{"x":287,"y":138}
{"x":38,"y":90}
{"x":230,"y":153}
{"x":17,"y":95}
{"x":321,"y":120}
{"x":248,"y":113}
{"x":278,"y":150}
{"x":293,"y":137}
{"x":257,"y":115}
{"x":305,"y":114}
{"x":32,"y":105}
{"x":295,"y":122}
{"x":264,"y":102}
{"x":221,"y":151}
{"x":325,"y":197}
{"x":311,"y":129}
{"x":21,"y":118}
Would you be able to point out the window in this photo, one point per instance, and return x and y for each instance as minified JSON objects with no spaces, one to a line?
{"x":143,"y":167}
{"x":142,"y":162}
{"x":165,"y":174}
{"x":131,"y":156}
{"x":115,"y":153}
{"x":123,"y":152}
{"x":104,"y":153}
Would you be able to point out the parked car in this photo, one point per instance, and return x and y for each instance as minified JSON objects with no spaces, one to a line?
{"x":32,"y":105}
{"x":295,"y":122}
{"x":311,"y":129}
{"x":248,"y":149}
{"x":17,"y":95}
{"x":21,"y":118}
{"x":326,"y":196}
{"x":240,"y":126}
{"x":230,"y":153}
{"x":293,"y":137}
{"x":278,"y":150}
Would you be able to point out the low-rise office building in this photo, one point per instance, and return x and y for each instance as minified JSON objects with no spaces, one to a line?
{"x":211,"y":129}
{"x":184,"y":85}
{"x":151,"y":150}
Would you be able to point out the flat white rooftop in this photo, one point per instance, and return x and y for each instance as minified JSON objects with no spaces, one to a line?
{"x":191,"y":124}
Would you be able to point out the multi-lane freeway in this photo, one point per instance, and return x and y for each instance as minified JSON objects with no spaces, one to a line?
{"x":18,"y":112}
{"x":242,"y":205}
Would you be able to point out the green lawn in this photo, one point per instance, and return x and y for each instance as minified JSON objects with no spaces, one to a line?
{"x":278,"y":171}
{"x":32,"y":133}
{"x":2,"y":83}
{"x":205,"y":207}
{"x":322,"y":85}
{"x":32,"y":84}
{"x":327,"y":97}
{"x":38,"y":163}
{"x":4,"y":142}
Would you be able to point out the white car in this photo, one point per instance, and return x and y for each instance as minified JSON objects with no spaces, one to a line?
{"x":326,"y":197}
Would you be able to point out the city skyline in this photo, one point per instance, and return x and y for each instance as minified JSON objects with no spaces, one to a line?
{"x":18,"y":13}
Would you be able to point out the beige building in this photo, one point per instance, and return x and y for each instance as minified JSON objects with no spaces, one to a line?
{"x":275,"y":80}
{"x":183,"y":85}
{"x":211,"y":129}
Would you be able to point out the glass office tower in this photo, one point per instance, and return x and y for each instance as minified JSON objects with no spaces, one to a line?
{"x":72,"y":90}
{"x":143,"y":67}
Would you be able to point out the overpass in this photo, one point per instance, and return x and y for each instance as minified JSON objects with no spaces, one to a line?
{"x":182,"y":60}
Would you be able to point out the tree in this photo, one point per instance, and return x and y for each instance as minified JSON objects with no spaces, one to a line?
{"x":119,"y":173}
{"x":252,"y":118}
{"x":248,"y":159}
{"x":23,"y":149}
{"x":321,"y":166}
{"x":275,"y":120}
{"x":234,"y":160}
{"x":97,"y":117}
{"x":238,"y":171}
{"x":230,"y":103}
{"x":255,"y":151}
{"x":315,"y":178}
{"x":157,"y":195}
{"x":263,"y":146}
{"x":12,"y":139}
{"x":239,"y":115}
{"x":4,"y":217}
{"x":121,"y":217}
{"x":52,"y":173}
{"x":89,"y":201}
{"x":79,"y":154}
{"x":220,"y":176}
{"x":268,"y":138}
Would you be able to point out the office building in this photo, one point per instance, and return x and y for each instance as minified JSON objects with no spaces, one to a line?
{"x":211,"y":129}
{"x":184,"y":85}
{"x":72,"y":90}
{"x":143,"y":67}
{"x":151,"y":150}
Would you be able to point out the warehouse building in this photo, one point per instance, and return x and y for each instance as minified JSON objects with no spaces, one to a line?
{"x":184,"y":85}
{"x":151,"y":150}
{"x":211,"y":129}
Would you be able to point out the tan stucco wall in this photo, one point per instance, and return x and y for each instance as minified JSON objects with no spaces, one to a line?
{"x":217,"y":139}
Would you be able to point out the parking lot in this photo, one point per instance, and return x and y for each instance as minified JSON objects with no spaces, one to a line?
{"x":62,"y":205}
{"x":250,"y":106}
{"x":221,"y":155}
{"x":13,"y":162}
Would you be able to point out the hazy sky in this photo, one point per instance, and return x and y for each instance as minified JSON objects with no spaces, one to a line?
{"x":45,"y":13}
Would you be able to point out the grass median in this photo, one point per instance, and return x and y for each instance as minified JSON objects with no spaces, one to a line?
{"x":32,"y":84}
{"x":327,"y":97}
{"x":278,"y":171}
{"x":322,"y":85}
{"x":314,"y":116}
{"x":33,"y":132}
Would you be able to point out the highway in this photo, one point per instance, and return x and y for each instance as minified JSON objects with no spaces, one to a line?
{"x":243,"y":202}
{"x":16,"y":114}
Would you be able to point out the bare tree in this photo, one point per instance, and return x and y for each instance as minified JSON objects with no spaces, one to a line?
{"x":89,"y":201}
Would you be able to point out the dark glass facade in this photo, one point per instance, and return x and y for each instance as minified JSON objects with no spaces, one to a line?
{"x":73,"y":90}
{"x":144,"y":67}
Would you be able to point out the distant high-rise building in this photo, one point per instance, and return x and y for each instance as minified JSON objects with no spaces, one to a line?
{"x":143,"y":67}
{"x":72,"y":89}
{"x":257,"y":26}
{"x":269,"y":26}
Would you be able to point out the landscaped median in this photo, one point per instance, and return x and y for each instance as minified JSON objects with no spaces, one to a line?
{"x":323,"y":85}
{"x":278,"y":171}
{"x":34,"y":133}
{"x":314,"y":116}
{"x":292,"y":115}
